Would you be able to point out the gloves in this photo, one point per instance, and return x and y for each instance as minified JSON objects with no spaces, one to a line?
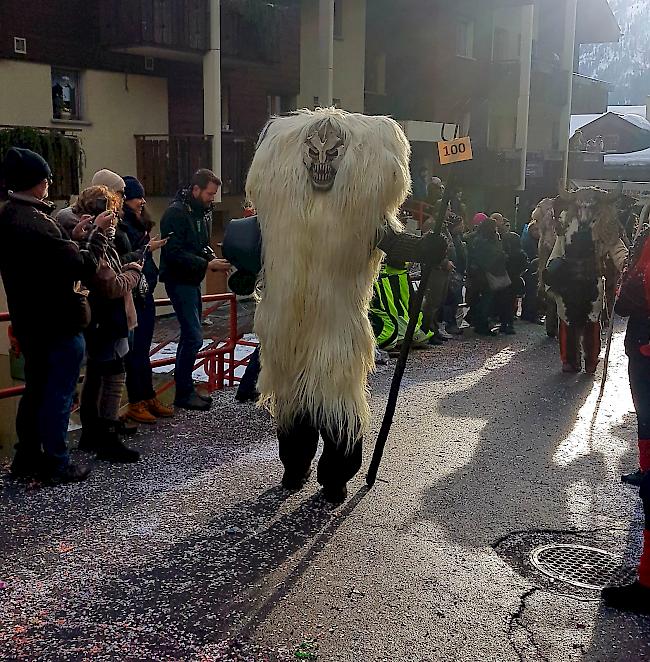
{"x":242,"y":282}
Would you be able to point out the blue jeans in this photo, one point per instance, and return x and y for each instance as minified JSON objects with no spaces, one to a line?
{"x":51,"y":374}
{"x":186,"y":300}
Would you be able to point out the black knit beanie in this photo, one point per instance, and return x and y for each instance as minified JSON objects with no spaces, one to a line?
{"x":24,"y":169}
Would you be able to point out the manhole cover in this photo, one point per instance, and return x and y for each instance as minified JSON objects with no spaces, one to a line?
{"x":586,"y":567}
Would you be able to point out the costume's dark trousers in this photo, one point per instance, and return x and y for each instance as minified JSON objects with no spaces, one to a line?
{"x":298,"y":446}
{"x":572,"y":336}
{"x":644,"y":565}
{"x":639,"y":373}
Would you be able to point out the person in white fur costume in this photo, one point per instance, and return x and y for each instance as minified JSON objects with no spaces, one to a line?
{"x":327,"y":186}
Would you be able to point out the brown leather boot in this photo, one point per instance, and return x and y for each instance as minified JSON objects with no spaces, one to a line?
{"x":158,"y":409}
{"x":139,"y":412}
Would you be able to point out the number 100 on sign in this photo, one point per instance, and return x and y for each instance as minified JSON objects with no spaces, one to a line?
{"x":454,"y":151}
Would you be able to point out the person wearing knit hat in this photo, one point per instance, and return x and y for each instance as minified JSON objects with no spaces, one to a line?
{"x":35,"y":257}
{"x":479,"y":218}
{"x":111,"y":180}
{"x":134,"y":242}
{"x":23,"y":170}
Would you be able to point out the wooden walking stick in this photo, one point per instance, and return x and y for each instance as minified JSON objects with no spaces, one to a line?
{"x":414,"y":316}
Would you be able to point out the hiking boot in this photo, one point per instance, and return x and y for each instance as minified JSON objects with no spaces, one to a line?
{"x":634,"y":597}
{"x":158,"y":409}
{"x":140,"y":413}
{"x":293,"y":482}
{"x":335,"y":494}
{"x":71,"y":473}
{"x":634,"y":478}
{"x":193,"y":402}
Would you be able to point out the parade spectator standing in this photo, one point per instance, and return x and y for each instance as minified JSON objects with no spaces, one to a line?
{"x":457,"y":276}
{"x":489,"y":263}
{"x":113,"y":317}
{"x":185,"y":260}
{"x":36,"y":258}
{"x":134,"y":242}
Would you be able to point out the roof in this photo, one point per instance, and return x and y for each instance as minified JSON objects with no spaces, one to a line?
{"x":596,"y":23}
{"x":639,"y":121}
{"x":641,"y":158}
{"x":624,"y":110}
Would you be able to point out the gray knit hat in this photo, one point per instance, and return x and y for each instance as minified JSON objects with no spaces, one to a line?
{"x":111,"y":180}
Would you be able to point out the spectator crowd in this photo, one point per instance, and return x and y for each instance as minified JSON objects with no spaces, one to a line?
{"x":97,"y":298}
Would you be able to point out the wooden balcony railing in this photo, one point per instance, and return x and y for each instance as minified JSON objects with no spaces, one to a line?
{"x":60,"y":148}
{"x":163,"y":28}
{"x":236,"y":157}
{"x":166,"y":163}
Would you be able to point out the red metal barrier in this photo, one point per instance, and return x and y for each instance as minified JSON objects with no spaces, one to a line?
{"x":218,"y":361}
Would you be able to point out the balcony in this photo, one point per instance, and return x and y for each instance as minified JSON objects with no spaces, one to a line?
{"x":236,"y":156}
{"x":60,"y":148}
{"x":166,"y":29}
{"x":166,"y":163}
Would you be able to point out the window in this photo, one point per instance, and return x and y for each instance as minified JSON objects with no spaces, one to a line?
{"x":338,"y":19}
{"x":465,"y":39}
{"x":278,"y":104}
{"x":66,"y":94}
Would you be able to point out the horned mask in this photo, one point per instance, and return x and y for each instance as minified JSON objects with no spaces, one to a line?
{"x":585,"y":205}
{"x":323,"y":152}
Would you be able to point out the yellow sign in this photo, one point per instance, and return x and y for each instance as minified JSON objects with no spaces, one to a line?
{"x":454,"y":151}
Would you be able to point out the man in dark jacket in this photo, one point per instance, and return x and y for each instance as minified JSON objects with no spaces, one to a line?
{"x":184,"y":262}
{"x":40,"y":270}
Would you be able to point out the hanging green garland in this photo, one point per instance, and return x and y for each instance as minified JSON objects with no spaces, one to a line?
{"x":63,"y":153}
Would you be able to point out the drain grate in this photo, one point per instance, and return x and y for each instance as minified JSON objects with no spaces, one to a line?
{"x":578,"y":565}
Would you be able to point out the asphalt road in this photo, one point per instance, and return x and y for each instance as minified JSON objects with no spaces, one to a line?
{"x":196,"y":554}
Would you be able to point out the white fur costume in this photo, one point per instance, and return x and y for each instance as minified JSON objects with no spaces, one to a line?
{"x":319,"y":264}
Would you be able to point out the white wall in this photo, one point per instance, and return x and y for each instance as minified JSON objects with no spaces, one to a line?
{"x":349,"y":55}
{"x":115,"y":107}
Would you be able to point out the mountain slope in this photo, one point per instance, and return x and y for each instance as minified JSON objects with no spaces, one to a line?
{"x":627,"y":64}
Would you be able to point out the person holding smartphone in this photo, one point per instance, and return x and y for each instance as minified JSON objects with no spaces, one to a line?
{"x":134,"y":242}
{"x":184,"y":262}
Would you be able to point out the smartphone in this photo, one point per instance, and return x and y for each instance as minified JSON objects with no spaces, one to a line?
{"x":145,"y":251}
{"x":100,"y":206}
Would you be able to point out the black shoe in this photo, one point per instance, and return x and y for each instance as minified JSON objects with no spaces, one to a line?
{"x":125,"y":428}
{"x":115,"y":450}
{"x":635,"y":478}
{"x":485,"y":332}
{"x":508,"y":329}
{"x":634,"y":597}
{"x":293,"y":482}
{"x":193,"y":402}
{"x":26,"y":467}
{"x":72,"y":473}
{"x":335,"y":494}
{"x":247,"y":397}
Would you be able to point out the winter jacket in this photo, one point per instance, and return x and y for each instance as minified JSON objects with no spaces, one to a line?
{"x":112,"y":310}
{"x":67,"y":220}
{"x":185,"y":257}
{"x":131,"y":239}
{"x":40,"y":269}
